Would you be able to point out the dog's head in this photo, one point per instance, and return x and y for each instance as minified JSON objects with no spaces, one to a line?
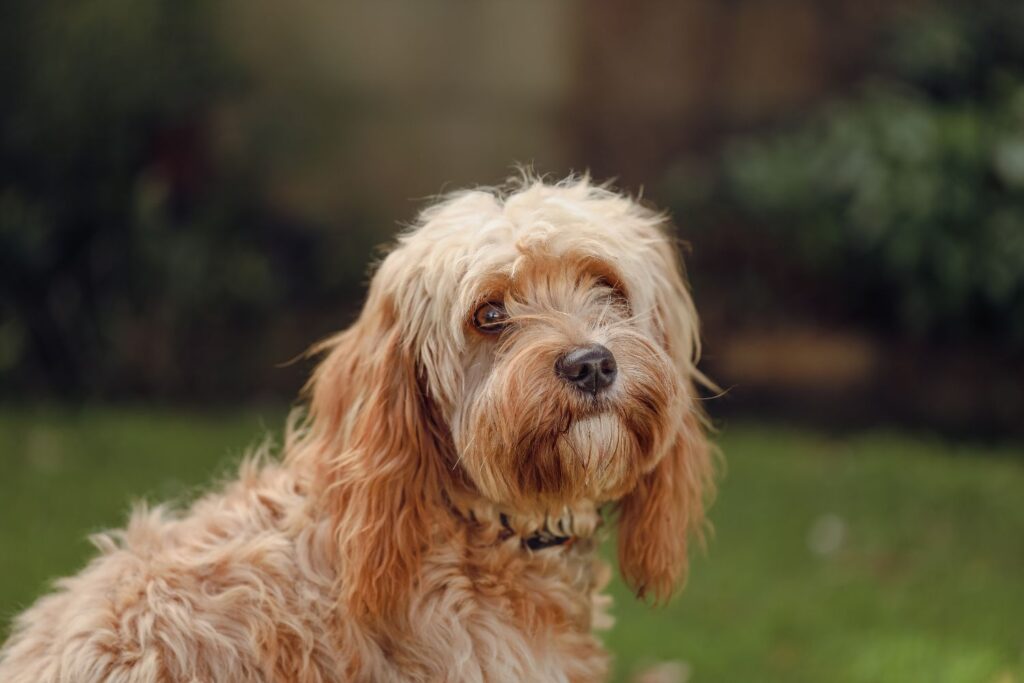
{"x":536,"y":347}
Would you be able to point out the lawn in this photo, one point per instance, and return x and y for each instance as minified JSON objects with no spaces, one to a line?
{"x":870,"y":557}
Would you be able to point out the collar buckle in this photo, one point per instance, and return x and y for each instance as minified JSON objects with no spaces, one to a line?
{"x":540,"y":541}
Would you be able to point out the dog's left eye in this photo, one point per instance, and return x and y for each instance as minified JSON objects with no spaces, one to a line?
{"x":491,"y":317}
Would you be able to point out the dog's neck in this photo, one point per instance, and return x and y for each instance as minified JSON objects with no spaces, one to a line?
{"x":535,"y":530}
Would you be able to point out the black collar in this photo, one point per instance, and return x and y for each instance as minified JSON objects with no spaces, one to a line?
{"x":539,"y":540}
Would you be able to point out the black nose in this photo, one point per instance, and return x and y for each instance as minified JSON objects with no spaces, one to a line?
{"x":590,"y":368}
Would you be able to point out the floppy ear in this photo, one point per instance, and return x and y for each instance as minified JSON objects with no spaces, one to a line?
{"x":666,"y":508}
{"x":657,"y":518}
{"x":378,"y":450}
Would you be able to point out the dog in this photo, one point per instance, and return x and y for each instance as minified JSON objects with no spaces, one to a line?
{"x":524,"y":367}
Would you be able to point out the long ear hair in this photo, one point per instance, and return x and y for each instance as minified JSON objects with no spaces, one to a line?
{"x":378,"y":451}
{"x":666,"y":508}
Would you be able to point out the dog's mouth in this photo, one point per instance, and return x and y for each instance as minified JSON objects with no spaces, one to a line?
{"x":590,"y":405}
{"x":557,"y":444}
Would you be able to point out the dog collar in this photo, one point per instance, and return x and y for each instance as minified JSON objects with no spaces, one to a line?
{"x":533,"y":532}
{"x":538,"y":540}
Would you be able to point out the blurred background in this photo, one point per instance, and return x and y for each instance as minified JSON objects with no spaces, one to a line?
{"x":191,"y":193}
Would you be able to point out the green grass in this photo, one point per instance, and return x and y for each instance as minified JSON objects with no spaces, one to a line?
{"x":875,"y":557}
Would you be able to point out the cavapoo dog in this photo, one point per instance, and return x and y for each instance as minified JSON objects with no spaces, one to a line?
{"x":523,"y":365}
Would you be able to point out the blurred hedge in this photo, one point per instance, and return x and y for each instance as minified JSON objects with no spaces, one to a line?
{"x":133,"y":258}
{"x":904,"y":200}
{"x":141,"y":254}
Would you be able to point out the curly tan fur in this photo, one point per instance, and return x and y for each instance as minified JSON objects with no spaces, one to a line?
{"x":389,"y":544}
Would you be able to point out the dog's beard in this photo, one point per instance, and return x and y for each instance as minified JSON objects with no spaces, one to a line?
{"x":605,"y":449}
{"x":529,"y":440}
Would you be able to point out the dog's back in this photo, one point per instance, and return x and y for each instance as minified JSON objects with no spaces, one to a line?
{"x":219,"y":594}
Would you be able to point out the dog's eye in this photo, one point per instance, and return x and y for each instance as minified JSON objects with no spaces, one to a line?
{"x":491,"y":317}
{"x":613,"y":290}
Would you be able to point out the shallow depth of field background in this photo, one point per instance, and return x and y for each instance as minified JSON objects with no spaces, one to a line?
{"x":191,"y":192}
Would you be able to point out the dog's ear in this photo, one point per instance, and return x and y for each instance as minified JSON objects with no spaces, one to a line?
{"x":378,"y":450}
{"x":657,"y":519}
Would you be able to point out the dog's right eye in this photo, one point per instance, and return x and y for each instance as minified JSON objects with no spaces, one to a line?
{"x":491,"y":317}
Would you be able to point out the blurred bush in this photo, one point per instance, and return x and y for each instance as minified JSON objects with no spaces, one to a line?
{"x":189,"y":190}
{"x":133,"y":257}
{"x":904,"y":201}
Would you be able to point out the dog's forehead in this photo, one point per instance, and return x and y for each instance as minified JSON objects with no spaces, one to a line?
{"x":478,"y":235}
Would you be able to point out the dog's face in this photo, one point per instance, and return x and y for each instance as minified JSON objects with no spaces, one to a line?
{"x":544,"y":328}
{"x":535,"y":348}
{"x":567,"y":391}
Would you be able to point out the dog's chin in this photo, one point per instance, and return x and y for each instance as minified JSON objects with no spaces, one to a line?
{"x":592,"y":457}
{"x":606,"y":450}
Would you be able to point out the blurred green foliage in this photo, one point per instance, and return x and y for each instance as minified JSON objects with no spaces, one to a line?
{"x":87,"y":89}
{"x":905,"y":199}
{"x":149,"y":179}
{"x":134,"y":256}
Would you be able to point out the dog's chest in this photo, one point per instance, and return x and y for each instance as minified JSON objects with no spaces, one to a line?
{"x":508,"y":613}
